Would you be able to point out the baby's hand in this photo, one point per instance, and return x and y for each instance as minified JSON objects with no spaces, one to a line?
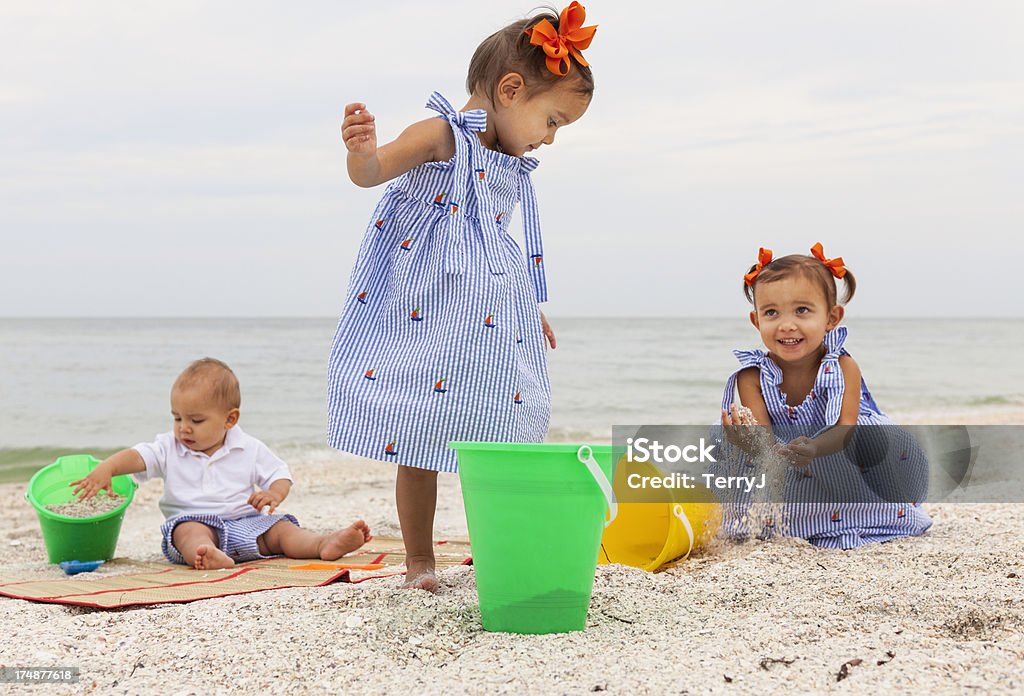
{"x":261,"y":499}
{"x":358,"y":130}
{"x":92,"y":484}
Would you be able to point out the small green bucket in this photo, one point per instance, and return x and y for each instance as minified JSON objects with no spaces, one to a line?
{"x":535,"y":514}
{"x":76,"y":538}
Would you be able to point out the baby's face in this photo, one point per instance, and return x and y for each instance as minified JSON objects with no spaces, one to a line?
{"x":200,"y":422}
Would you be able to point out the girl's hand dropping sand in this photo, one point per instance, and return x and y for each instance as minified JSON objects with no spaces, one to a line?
{"x":800,"y":451}
{"x":741,"y":429}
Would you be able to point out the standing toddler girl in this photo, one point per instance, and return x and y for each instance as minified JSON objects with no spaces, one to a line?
{"x":440,"y":337}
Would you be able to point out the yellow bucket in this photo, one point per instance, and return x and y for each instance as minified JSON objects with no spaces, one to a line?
{"x":655,"y":535}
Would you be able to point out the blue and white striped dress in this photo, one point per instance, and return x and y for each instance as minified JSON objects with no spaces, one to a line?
{"x":870,"y":492}
{"x":440,"y":337}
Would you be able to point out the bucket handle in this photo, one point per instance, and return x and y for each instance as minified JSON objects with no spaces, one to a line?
{"x":602,"y":480}
{"x":680,"y":514}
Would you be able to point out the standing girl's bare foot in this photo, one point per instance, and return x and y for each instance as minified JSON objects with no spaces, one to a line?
{"x":211,"y":558}
{"x":420,"y":575}
{"x":336,"y":545}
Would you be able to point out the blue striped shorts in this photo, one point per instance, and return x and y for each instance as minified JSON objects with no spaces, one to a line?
{"x":236,"y":538}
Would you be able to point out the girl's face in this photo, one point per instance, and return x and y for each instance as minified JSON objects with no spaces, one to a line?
{"x":793,"y":317}
{"x":523,"y":122}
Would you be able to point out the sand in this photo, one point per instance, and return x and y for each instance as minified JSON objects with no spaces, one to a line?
{"x":942,"y":613}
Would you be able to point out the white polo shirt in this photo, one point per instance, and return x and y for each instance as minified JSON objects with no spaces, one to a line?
{"x":197,"y":483}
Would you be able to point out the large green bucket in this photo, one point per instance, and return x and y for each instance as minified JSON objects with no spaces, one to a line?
{"x":76,"y":538}
{"x":535,"y":514}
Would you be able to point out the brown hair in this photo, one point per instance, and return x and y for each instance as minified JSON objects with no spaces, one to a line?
{"x":216,"y":376}
{"x":807,"y":266}
{"x":509,"y":50}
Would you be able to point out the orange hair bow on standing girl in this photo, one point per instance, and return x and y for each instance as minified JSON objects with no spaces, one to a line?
{"x":570,"y":38}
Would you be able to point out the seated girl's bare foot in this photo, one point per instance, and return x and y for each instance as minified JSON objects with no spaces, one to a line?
{"x":420,"y":576}
{"x":211,"y":558}
{"x":336,"y":545}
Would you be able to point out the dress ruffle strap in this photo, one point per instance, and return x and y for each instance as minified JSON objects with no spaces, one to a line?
{"x":464,"y":126}
{"x":747,"y":358}
{"x":474,"y":119}
{"x":830,"y":375}
{"x":468,"y":158}
{"x":750,"y":358}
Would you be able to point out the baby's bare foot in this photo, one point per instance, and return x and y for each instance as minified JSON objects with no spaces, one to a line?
{"x":420,"y":576}
{"x":345,"y":541}
{"x":211,"y":558}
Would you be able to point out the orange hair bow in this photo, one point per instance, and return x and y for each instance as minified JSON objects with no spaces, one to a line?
{"x":764,"y":257}
{"x":570,"y":38}
{"x":835,"y":265}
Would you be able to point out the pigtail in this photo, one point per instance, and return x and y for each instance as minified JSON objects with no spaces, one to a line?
{"x":849,"y":287}
{"x":748,"y":288}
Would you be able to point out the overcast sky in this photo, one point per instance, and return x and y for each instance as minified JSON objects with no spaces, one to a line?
{"x":184,"y":159}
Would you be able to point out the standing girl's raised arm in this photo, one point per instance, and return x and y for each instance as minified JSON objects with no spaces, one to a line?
{"x":430,"y":140}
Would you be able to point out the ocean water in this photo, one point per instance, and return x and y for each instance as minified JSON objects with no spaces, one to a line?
{"x":96,"y":385}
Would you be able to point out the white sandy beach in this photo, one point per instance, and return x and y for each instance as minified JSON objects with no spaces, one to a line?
{"x":943,"y":613}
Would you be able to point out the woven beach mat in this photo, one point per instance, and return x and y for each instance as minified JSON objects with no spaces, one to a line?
{"x":161,"y":583}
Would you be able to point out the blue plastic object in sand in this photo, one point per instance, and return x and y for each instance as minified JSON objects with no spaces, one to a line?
{"x":76,"y":567}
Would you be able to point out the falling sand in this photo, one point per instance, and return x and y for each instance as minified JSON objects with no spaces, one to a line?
{"x":765,"y":512}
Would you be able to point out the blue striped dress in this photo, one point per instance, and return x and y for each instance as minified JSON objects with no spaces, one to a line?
{"x":869,"y":492}
{"x":439,"y":337}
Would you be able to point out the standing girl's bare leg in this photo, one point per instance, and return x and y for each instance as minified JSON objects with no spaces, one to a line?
{"x":416,"y":496}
